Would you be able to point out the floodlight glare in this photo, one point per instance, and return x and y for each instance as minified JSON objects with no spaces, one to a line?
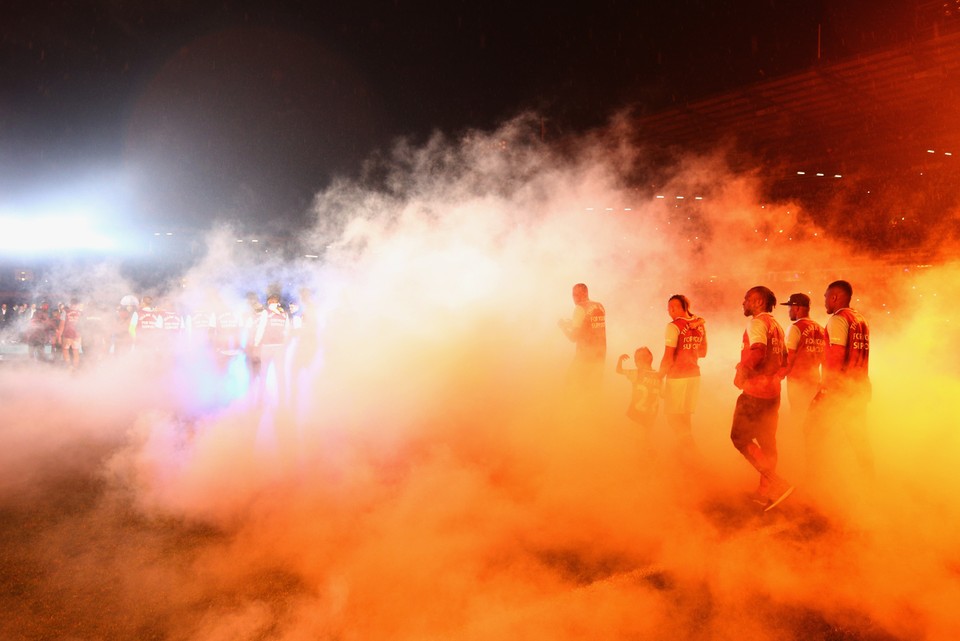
{"x":41,"y":235}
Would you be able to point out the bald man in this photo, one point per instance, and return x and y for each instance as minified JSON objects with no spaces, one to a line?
{"x":845,"y":387}
{"x":588,"y":329}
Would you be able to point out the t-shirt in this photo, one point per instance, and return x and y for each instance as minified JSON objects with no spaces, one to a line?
{"x":848,"y":329}
{"x":687,"y":337}
{"x":71,"y":321}
{"x":590,"y":324}
{"x":273,"y":324}
{"x":806,"y":338}
{"x":762,"y":380}
{"x":645,"y":395}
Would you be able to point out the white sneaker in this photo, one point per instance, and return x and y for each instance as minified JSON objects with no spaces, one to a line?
{"x":777,"y":492}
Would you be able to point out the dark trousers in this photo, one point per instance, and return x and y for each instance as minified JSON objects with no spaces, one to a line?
{"x":754,"y":431}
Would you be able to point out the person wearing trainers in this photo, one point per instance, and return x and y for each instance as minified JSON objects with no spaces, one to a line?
{"x":754,"y":429}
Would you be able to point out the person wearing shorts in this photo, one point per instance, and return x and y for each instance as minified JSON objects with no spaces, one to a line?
{"x":685,"y":344}
{"x":68,"y":333}
{"x":754,"y":429}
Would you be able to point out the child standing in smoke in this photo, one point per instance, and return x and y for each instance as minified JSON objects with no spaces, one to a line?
{"x":645,"y":391}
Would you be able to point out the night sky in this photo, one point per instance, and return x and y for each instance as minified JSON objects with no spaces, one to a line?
{"x":242,"y":110}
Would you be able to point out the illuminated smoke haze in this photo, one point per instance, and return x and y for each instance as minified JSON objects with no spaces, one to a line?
{"x":432,"y":477}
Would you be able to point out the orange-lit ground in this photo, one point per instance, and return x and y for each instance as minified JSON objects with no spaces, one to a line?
{"x":434,"y":479}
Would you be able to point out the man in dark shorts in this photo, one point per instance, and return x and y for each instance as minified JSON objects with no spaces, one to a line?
{"x":754,"y":429}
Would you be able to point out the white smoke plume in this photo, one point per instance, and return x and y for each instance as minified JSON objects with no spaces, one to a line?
{"x":431,"y":475}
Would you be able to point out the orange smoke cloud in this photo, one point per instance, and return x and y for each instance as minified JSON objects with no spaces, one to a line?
{"x":435,"y":479}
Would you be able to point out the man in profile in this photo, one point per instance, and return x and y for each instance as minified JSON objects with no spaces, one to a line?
{"x":805,"y":343}
{"x":845,"y":387}
{"x":754,"y":429}
{"x":588,"y":329}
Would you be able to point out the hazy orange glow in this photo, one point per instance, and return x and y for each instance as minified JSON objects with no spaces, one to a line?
{"x":435,"y":480}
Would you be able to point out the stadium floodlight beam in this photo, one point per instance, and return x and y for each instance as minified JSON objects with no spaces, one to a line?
{"x":84,"y":216}
{"x":50,"y":235}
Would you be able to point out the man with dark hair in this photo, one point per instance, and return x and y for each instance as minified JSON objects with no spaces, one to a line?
{"x":805,"y":343}
{"x":588,"y":329}
{"x":754,"y":429}
{"x":845,"y":387}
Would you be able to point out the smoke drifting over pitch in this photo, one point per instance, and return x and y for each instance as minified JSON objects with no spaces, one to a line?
{"x":433,"y":479}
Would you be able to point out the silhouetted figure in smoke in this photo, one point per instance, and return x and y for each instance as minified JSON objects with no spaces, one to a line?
{"x":201,"y":325}
{"x":172,"y":320}
{"x":754,"y":429}
{"x":228,"y":335}
{"x":305,"y":330}
{"x":173,"y":328}
{"x":250,"y":316}
{"x":68,"y":333}
{"x":685,"y":343}
{"x":270,"y":343}
{"x":645,"y":391}
{"x":146,"y":326}
{"x":845,"y":390}
{"x":23,"y":320}
{"x":40,"y":332}
{"x":588,"y":329}
{"x":95,"y":330}
{"x":805,"y":343}
{"x":124,"y":327}
{"x":56,"y":313}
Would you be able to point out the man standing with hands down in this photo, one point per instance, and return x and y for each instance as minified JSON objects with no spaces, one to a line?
{"x":805,"y":343}
{"x":754,"y":430}
{"x":845,"y":388}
